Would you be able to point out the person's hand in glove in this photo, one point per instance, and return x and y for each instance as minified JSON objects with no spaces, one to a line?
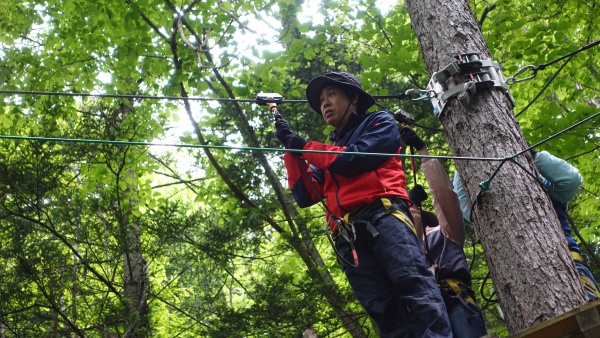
{"x":410,"y":138}
{"x":532,"y":150}
{"x":417,"y":195}
{"x":287,"y":137}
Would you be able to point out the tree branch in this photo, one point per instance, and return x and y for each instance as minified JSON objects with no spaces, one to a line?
{"x":235,"y":18}
{"x":581,"y":154}
{"x":486,"y":11}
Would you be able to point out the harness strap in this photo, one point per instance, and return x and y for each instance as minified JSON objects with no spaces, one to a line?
{"x":455,"y":286}
{"x":389,"y":209}
{"x":588,"y":284}
{"x":399,"y":215}
{"x":368,"y":224}
{"x":576,"y":256}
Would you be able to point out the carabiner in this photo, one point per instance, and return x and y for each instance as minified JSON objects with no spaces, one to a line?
{"x":347,"y":231}
{"x":422,"y":94}
{"x":513,"y":80}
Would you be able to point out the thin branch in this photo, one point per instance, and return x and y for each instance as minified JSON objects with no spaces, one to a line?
{"x":153,"y":26}
{"x":174,"y":174}
{"x":64,"y":240}
{"x":181,"y":311}
{"x":584,"y":153}
{"x":189,"y":44}
{"x":378,"y":22}
{"x":235,"y":18}
{"x":185,"y":269}
{"x":32,"y":273}
{"x":486,"y":11}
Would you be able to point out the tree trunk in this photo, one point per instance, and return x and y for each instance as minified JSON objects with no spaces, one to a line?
{"x":135,"y":266}
{"x":525,"y":248}
{"x":136,"y":276}
{"x":299,"y":235}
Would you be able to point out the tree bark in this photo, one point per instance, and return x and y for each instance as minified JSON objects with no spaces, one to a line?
{"x":135,"y":266}
{"x":525,"y":248}
{"x":136,"y":282}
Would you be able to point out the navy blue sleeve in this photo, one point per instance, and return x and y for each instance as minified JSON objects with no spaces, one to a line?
{"x":377,"y":134}
{"x":302,"y":192}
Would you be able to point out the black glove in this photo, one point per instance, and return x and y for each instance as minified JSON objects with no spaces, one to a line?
{"x":417,"y":194}
{"x":287,"y":137}
{"x":410,"y":138}
{"x":532,"y":150}
{"x":294,"y":142}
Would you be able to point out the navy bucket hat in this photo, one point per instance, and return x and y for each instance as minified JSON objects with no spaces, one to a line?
{"x":340,"y":79}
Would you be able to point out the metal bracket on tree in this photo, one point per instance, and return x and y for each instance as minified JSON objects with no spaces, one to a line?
{"x":462,"y":78}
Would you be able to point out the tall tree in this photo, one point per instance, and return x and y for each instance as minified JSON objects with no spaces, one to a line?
{"x":227,"y":252}
{"x":520,"y":233}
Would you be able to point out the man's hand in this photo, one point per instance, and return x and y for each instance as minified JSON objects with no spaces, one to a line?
{"x":287,"y":137}
{"x":417,"y":194}
{"x":410,"y":138}
{"x":295,"y":142}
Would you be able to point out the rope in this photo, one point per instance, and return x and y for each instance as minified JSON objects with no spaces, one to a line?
{"x":559,"y":133}
{"x":570,"y":55}
{"x":512,"y":79}
{"x":484,"y":184}
{"x":544,"y":88}
{"x":410,"y":94}
{"x":145,"y":97}
{"x":205,"y":146}
{"x":402,"y":96}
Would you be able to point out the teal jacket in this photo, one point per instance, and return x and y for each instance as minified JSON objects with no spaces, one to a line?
{"x":561,"y":180}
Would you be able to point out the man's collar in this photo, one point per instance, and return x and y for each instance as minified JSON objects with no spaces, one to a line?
{"x":353,"y":120}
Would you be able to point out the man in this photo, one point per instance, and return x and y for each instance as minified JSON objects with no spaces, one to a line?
{"x":365,"y":199}
{"x":444,"y":237}
{"x":561,"y":180}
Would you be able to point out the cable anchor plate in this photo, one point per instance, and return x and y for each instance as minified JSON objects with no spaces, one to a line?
{"x":462,"y":78}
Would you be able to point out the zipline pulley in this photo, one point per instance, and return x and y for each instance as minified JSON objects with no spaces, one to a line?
{"x":270,"y":100}
{"x":462,"y":78}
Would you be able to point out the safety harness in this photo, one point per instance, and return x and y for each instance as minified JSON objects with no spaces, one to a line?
{"x":459,"y":288}
{"x":345,"y":227}
{"x":588,"y":284}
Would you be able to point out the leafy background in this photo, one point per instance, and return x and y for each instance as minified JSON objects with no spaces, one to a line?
{"x":222,"y":251}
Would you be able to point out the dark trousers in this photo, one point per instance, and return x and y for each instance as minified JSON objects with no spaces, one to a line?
{"x":392,"y":281}
{"x":465,"y":317}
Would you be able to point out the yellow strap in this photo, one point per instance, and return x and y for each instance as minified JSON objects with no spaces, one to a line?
{"x":576,"y":256}
{"x":454,"y":285}
{"x":399,"y":215}
{"x":589,"y":285}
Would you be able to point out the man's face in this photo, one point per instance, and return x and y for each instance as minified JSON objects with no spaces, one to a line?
{"x":335,"y":106}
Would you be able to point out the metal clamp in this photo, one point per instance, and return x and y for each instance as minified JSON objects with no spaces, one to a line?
{"x":475,"y":74}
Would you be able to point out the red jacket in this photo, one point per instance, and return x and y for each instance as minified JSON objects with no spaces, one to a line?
{"x":348,"y":181}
